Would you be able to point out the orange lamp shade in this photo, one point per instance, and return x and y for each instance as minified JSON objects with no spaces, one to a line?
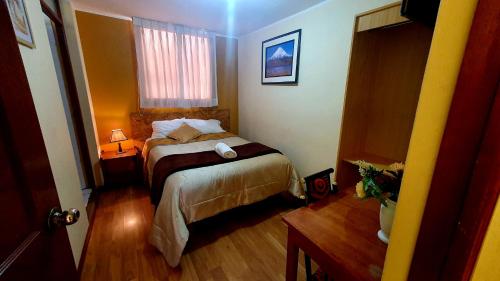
{"x":117,"y":135}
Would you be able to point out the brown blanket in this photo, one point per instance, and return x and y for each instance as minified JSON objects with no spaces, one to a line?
{"x":170,"y":164}
{"x":168,"y":141}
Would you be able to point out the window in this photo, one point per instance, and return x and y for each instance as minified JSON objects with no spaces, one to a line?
{"x":175,"y":65}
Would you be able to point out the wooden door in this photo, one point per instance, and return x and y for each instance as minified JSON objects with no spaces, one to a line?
{"x":28,"y":249}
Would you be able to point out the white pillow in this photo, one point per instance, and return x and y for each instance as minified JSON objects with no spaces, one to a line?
{"x":211,"y":126}
{"x":165,"y":127}
{"x":157,"y":136}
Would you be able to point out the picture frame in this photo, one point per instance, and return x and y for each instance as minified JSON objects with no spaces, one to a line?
{"x":20,"y":22}
{"x":318,"y":186}
{"x":280,"y":59}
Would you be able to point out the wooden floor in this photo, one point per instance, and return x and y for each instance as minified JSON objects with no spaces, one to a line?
{"x":248,"y":243}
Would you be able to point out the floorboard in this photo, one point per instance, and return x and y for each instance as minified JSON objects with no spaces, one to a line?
{"x":247,"y":243}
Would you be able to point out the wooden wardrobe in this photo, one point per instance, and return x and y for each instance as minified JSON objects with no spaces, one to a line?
{"x":388,"y":59}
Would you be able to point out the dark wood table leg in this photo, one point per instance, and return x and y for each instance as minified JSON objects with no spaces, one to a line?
{"x":292,"y":258}
{"x":307,"y":261}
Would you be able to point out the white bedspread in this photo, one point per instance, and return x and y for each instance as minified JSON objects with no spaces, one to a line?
{"x":196,"y":194}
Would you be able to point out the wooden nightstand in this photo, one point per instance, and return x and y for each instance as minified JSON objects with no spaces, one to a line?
{"x":120,"y":169}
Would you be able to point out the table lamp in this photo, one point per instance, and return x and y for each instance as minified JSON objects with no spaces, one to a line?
{"x":118,"y":136}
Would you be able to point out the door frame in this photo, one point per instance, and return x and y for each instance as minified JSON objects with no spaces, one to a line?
{"x":74,"y":104}
{"x":460,"y":205}
{"x":73,"y":100}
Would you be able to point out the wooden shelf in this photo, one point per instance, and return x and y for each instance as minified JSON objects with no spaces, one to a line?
{"x":378,"y":162}
{"x":387,"y":16}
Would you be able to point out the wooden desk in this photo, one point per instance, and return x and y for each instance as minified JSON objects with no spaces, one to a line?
{"x":340,"y":234}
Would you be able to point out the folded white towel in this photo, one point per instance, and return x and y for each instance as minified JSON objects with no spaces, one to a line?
{"x":225,"y":151}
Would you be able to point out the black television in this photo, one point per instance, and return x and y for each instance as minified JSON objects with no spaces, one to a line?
{"x":424,"y":11}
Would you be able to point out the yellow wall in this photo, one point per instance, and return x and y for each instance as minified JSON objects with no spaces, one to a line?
{"x":109,"y":54}
{"x":108,"y":51}
{"x":487,"y":268}
{"x":227,"y":77}
{"x":80,"y":75}
{"x":445,"y":57}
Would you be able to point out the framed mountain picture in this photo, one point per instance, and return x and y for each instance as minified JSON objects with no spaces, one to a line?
{"x":280,"y":59}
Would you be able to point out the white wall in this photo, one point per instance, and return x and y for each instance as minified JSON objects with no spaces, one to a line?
{"x":82,"y":85}
{"x":302,"y":121}
{"x":44,"y":87}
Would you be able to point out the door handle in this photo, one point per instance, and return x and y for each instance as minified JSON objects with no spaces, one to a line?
{"x":58,"y":218}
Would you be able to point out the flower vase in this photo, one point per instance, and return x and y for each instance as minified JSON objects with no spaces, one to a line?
{"x":386,"y":218}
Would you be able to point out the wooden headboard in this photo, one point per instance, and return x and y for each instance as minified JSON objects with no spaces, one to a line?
{"x":141,"y":121}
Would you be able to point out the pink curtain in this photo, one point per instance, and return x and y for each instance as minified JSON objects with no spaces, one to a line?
{"x":175,"y":65}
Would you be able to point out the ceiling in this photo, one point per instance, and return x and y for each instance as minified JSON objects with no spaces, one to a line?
{"x":228,"y":17}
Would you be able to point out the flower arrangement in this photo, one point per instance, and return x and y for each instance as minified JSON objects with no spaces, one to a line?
{"x":379,"y":184}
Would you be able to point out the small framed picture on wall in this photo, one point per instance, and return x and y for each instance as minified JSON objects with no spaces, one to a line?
{"x":280,"y":59}
{"x":20,"y":22}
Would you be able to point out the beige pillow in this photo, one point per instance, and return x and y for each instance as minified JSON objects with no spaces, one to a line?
{"x":184,"y":133}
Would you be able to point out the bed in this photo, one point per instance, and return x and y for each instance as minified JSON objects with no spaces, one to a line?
{"x":194,"y":194}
